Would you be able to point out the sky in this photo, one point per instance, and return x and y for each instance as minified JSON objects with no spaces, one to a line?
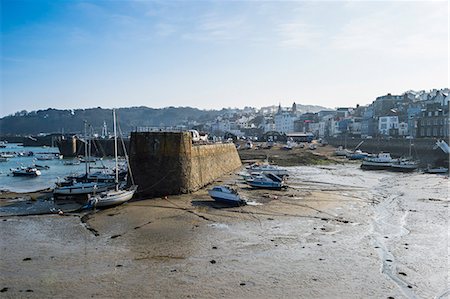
{"x":214,"y":54}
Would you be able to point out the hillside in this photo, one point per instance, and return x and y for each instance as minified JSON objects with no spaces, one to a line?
{"x":72,"y":121}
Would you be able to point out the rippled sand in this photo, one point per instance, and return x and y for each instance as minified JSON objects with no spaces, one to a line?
{"x":338,"y":232}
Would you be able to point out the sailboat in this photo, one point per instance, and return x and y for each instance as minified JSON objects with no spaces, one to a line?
{"x":116,"y":196}
{"x":82,"y":185}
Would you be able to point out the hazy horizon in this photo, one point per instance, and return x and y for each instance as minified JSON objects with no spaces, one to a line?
{"x":214,"y":55}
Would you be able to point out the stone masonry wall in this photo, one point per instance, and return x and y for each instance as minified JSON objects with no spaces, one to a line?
{"x":208,"y":162}
{"x":165,"y":163}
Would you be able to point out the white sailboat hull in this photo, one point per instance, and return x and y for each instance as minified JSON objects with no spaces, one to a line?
{"x":112,"y":198}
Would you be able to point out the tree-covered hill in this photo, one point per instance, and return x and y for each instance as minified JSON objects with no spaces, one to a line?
{"x":72,"y":121}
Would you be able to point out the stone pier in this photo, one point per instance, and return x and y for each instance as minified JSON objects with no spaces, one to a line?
{"x":165,"y":163}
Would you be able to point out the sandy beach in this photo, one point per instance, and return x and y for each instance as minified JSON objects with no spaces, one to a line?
{"x":336,"y":232}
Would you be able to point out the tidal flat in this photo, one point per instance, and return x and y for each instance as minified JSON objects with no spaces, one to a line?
{"x":336,"y":232}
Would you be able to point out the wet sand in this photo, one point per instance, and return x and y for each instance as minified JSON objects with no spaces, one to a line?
{"x":337,"y":232}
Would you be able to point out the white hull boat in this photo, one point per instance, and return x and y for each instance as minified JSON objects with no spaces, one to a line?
{"x":112,"y":198}
{"x":83,"y":188}
{"x":266,"y":168}
{"x":436,"y":170}
{"x":117,"y":196}
{"x":226,"y":195}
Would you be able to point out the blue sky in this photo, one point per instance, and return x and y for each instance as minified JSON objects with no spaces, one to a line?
{"x":214,"y":54}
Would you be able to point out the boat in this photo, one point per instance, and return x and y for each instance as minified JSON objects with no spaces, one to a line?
{"x":82,"y":188}
{"x":116,"y":196}
{"x":3,"y":159}
{"x":226,"y":195}
{"x":357,"y":155}
{"x":404,"y":166}
{"x":49,"y":156}
{"x":436,"y":170}
{"x":7,"y":155}
{"x":379,"y":162}
{"x":3,"y":144}
{"x":73,"y":162}
{"x":341,"y":152}
{"x":26,"y":171}
{"x":267,"y":168}
{"x":41,"y":167}
{"x":266,"y":181}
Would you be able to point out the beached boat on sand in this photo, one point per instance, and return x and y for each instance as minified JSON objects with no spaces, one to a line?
{"x":226,"y":195}
{"x":267,"y":168}
{"x":117,"y":196}
{"x":379,"y":162}
{"x":266,"y":181}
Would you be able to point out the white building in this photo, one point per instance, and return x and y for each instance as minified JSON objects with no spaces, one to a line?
{"x":385,"y":123}
{"x":284,"y":122}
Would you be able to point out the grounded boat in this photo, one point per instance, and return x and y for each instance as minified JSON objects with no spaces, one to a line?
{"x":379,"y":162}
{"x":116,"y":196}
{"x":266,"y":181}
{"x":82,"y":188}
{"x":267,"y":168}
{"x":341,"y":152}
{"x":26,"y":171}
{"x":226,"y":194}
{"x":112,"y":198}
{"x":436,"y":170}
{"x":404,"y":166}
{"x":357,"y":155}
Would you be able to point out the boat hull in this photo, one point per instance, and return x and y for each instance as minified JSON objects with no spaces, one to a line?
{"x":270,"y":186}
{"x":112,"y":198}
{"x":375,"y":166}
{"x":397,"y":168}
{"x":227,"y":201}
{"x":82,"y":189}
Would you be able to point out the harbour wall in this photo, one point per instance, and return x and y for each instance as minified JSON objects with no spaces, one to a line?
{"x":72,"y":147}
{"x":421,"y":148}
{"x":166,"y":163}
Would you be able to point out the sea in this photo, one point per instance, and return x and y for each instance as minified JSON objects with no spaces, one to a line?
{"x":56,"y":172}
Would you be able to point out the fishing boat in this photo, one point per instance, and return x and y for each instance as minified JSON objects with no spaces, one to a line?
{"x":26,"y":171}
{"x":266,"y":181}
{"x":226,"y":195}
{"x":404,"y":166}
{"x":117,"y":196}
{"x":379,"y":162}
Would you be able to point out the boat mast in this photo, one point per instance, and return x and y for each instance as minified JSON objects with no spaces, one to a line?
{"x":115,"y":150}
{"x":85,"y":147}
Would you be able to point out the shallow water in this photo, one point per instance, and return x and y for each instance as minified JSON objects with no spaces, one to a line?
{"x":48,"y":177}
